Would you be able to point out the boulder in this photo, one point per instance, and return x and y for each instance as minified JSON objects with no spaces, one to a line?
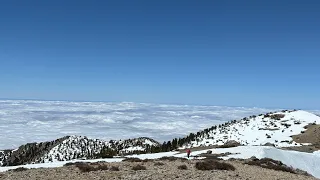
{"x":269,"y":144}
{"x":232,"y":143}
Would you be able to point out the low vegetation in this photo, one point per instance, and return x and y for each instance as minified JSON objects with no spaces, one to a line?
{"x":132,"y":160}
{"x":158,"y":164}
{"x":214,"y":165}
{"x":88,"y":167}
{"x":171,"y":158}
{"x":183,"y":167}
{"x":114,"y":168}
{"x":277,"y":116}
{"x":138,"y":167}
{"x":274,"y":165}
{"x":73,"y":163}
{"x":19,"y":169}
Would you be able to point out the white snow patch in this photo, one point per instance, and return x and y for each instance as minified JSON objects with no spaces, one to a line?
{"x":259,"y":130}
{"x":58,"y":164}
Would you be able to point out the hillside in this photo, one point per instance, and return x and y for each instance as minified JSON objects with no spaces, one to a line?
{"x":154,"y":169}
{"x":277,"y":128}
{"x":74,"y":147}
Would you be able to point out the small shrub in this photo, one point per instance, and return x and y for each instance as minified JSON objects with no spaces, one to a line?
{"x":214,"y":165}
{"x":272,"y":164}
{"x":147,"y":160}
{"x":73,"y":163}
{"x":102,"y":167}
{"x":227,"y":146}
{"x":158,"y":164}
{"x":132,"y":160}
{"x":95,"y":163}
{"x":88,"y":167}
{"x":183,"y":167}
{"x":277,"y":116}
{"x":114,"y":168}
{"x":139,"y":167}
{"x":171,"y":158}
{"x":84,"y":167}
{"x":69,"y":164}
{"x":19,"y":169}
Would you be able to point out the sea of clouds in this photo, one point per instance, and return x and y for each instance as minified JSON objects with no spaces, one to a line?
{"x":24,"y":121}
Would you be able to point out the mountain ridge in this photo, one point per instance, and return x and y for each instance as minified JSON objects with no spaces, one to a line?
{"x":274,"y":128}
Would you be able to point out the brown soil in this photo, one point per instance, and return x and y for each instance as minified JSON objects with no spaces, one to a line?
{"x":169,"y":170}
{"x":311,"y":135}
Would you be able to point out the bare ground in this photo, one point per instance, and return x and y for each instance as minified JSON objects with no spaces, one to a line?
{"x":154,"y":170}
{"x":310,"y":135}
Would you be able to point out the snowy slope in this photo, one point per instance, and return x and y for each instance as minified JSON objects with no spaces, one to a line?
{"x":76,"y":147}
{"x":305,"y":161}
{"x":73,"y":147}
{"x":258,"y":130}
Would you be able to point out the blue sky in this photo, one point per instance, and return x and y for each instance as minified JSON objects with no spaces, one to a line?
{"x":235,"y":53}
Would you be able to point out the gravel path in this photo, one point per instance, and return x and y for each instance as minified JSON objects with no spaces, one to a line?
{"x":167,"y":171}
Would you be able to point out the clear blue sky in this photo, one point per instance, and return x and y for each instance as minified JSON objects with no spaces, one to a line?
{"x":237,"y":53}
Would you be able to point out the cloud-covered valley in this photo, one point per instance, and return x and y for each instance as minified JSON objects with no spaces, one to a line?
{"x":24,"y":121}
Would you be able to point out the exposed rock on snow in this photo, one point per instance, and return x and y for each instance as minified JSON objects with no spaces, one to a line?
{"x":71,"y":147}
{"x":275,"y":128}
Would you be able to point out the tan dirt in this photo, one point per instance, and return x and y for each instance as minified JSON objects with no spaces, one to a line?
{"x":311,"y":135}
{"x":168,"y":171}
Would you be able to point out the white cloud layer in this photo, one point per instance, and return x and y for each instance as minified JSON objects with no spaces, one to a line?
{"x":24,"y":121}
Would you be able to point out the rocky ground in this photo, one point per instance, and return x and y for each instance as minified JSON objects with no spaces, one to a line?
{"x":154,"y":169}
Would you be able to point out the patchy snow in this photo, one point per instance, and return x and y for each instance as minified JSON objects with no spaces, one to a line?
{"x":76,"y":147}
{"x":154,"y":155}
{"x":58,"y":164}
{"x":260,"y":130}
{"x":136,"y":148}
{"x":305,"y":161}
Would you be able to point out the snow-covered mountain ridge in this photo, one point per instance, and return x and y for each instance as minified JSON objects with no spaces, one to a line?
{"x":276,"y":128}
{"x":74,"y":147}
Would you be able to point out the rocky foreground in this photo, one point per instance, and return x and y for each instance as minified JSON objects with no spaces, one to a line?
{"x":158,"y":169}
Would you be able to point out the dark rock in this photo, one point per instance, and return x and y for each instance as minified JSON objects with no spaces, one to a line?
{"x":269,"y":144}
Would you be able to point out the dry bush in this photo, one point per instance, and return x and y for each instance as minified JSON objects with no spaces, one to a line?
{"x":73,"y":163}
{"x":148,"y":160}
{"x":19,"y":169}
{"x":214,"y":165}
{"x":277,"y":116}
{"x":85,"y":167}
{"x":171,"y":158}
{"x":114,"y":168}
{"x":102,"y":167}
{"x":183,"y":167}
{"x":273,"y":164}
{"x":95,"y":163}
{"x":88,"y":167}
{"x":139,"y":167}
{"x":132,"y":160}
{"x":228,"y":146}
{"x":158,"y":164}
